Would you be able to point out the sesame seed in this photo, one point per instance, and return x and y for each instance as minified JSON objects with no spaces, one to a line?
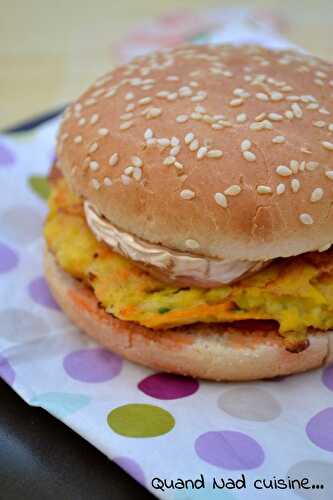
{"x":150,"y":142}
{"x":169,"y":160}
{"x":319,"y":124}
{"x":329,"y":174}
{"x":175,"y":150}
{"x":193,"y":244}
{"x":128,"y":170}
{"x":283,"y":171}
{"x":278,"y":139}
{"x":236,"y":102}
{"x":215,"y":153}
{"x":265,"y":124}
{"x":95,"y":184}
{"x":330,"y":127}
{"x":81,"y":121}
{"x":94,"y":118}
{"x":216,"y":126}
{"x":311,"y":165}
{"x":125,"y":179}
{"x":178,"y":165}
{"x":264,"y":190}
{"x":312,"y":105}
{"x":182,"y":118}
{"x":249,"y":156}
{"x":172,"y":78}
{"x":126,"y":116}
{"x":137,"y":162}
{"x":98,"y":92}
{"x":241,"y":118}
{"x":328,"y":145}
{"x":275,"y":116}
{"x":201,"y":152}
{"x":137,"y":173}
{"x":174,"y":141}
{"x":306,"y":219}
{"x":277,"y":96}
{"x":289,"y":114}
{"x":194,"y":145}
{"x":163,"y":93}
{"x":78,"y":107}
{"x":130,"y":106}
{"x":302,"y":166}
{"x":135,"y":82}
{"x":189,"y":138}
{"x":280,"y":189}
{"x":293,"y":98}
{"x":261,"y":96}
{"x":163,"y":141}
{"x":126,"y":125}
{"x":317,"y":195}
{"x":107,"y":181}
{"x":129,"y":96}
{"x":113,"y":160}
{"x":93,"y":147}
{"x":187,"y":194}
{"x":297,"y":110}
{"x":148,"y":134}
{"x":103,"y":131}
{"x":260,"y":117}
{"x":294,"y":166}
{"x":172,"y":96}
{"x":246,"y":144}
{"x":233,"y":190}
{"x":295,"y":185}
{"x":144,"y":100}
{"x":90,"y":101}
{"x":185,"y":91}
{"x":221,"y":200}
{"x":111,"y":92}
{"x":154,"y":113}
{"x":78,"y":139}
{"x":93,"y":165}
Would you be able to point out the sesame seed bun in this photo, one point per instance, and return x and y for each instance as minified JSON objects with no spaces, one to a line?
{"x":222,"y":151}
{"x":214,"y":352}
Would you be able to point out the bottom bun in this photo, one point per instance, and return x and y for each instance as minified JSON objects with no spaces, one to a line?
{"x":209,"y":351}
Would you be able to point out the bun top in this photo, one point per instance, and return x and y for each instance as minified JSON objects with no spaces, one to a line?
{"x":219,"y":151}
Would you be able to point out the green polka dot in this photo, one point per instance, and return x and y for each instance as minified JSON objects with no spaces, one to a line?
{"x":40,"y":186}
{"x":140,"y":420}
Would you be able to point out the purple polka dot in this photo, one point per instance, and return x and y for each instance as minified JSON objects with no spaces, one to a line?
{"x":328,"y":377}
{"x":40,"y":293}
{"x":167,"y":386}
{"x":7,"y":156}
{"x":132,"y":467}
{"x":229,"y":450}
{"x":6,"y":371}
{"x":320,"y":429}
{"x":8,"y":258}
{"x":92,"y":365}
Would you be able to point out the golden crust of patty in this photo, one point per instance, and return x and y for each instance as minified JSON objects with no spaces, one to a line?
{"x":295,"y":292}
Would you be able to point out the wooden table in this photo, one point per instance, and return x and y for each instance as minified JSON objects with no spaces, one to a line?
{"x":51,"y":50}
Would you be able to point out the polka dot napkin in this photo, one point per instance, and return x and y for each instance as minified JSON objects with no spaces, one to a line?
{"x":153,"y":425}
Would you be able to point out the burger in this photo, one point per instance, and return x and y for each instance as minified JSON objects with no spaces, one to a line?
{"x":190,"y":220}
